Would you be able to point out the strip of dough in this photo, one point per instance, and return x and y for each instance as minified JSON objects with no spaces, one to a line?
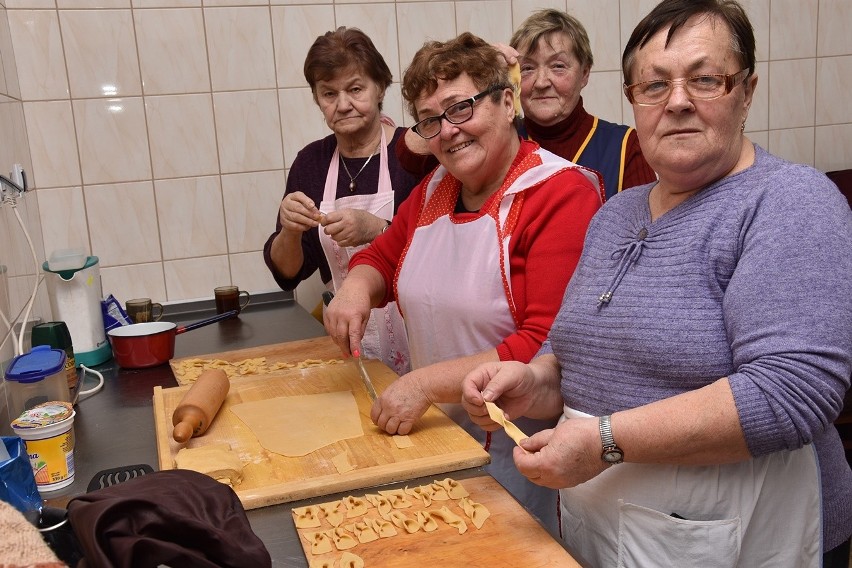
{"x":403,"y":442}
{"x":512,"y":431}
{"x":342,"y":463}
{"x":450,"y":518}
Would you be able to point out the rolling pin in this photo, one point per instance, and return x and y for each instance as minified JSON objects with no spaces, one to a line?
{"x":199,"y":405}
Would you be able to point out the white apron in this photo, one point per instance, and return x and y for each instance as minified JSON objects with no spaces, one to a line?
{"x":384,"y":337}
{"x":734,"y":515}
{"x":454,"y":289}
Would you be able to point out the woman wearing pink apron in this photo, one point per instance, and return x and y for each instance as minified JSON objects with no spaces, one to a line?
{"x":343,"y":190}
{"x":477,"y":257}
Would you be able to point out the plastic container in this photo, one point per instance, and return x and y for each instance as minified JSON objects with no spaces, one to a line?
{"x":56,"y":335}
{"x":35,"y":378}
{"x":67,"y":259}
{"x":48,"y":432}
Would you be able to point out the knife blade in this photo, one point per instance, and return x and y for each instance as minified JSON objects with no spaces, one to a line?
{"x":365,"y":378}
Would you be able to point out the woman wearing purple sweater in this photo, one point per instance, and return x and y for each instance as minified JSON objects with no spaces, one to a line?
{"x":704,"y":343}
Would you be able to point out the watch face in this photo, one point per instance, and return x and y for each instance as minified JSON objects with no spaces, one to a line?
{"x":613,"y":456}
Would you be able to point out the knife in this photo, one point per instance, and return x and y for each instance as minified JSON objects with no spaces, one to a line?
{"x":365,"y":378}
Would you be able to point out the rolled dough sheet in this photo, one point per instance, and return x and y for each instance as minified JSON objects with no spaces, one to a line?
{"x":295,"y":426}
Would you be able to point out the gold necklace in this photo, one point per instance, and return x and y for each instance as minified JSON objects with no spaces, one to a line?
{"x":351,"y":177}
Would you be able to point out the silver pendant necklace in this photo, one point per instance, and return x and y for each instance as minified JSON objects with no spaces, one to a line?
{"x":353,"y":178}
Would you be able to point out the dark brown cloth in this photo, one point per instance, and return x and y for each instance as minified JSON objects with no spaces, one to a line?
{"x":178,"y":518}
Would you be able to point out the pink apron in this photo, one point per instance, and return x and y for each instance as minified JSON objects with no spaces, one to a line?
{"x":453,"y":286}
{"x":384,"y":337}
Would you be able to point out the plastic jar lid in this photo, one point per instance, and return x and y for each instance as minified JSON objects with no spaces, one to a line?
{"x":45,"y":414}
{"x":34,"y":366}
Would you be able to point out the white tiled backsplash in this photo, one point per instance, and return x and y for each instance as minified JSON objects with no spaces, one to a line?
{"x":157,"y":133}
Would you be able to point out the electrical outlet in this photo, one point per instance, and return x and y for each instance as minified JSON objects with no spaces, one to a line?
{"x":17,"y":175}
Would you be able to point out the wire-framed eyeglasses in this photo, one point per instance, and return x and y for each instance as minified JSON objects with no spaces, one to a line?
{"x":703,"y":87}
{"x":457,"y":113}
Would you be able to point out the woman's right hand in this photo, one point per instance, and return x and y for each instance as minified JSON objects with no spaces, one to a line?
{"x":298,"y":213}
{"x":505,"y":381}
{"x":346,"y":316}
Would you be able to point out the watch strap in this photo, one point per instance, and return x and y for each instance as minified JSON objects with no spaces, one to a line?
{"x":611,"y":453}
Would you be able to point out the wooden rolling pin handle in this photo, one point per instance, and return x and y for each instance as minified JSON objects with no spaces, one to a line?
{"x":199,"y":406}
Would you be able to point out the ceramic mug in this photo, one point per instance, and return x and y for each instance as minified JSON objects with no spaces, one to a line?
{"x":141,"y":310}
{"x":230,"y":298}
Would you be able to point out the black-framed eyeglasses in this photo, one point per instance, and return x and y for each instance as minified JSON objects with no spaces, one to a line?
{"x":703,"y":87}
{"x":457,"y":113}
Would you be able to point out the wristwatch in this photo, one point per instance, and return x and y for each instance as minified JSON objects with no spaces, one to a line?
{"x":612,"y":454}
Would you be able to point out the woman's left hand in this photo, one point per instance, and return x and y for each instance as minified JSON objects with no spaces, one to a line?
{"x":562,"y":457}
{"x":352,"y":227}
{"x":400,"y":405}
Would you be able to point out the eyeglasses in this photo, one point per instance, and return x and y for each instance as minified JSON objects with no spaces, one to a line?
{"x":457,"y":113}
{"x":703,"y":87}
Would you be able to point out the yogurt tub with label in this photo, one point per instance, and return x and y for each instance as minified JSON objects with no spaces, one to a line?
{"x":48,"y":432}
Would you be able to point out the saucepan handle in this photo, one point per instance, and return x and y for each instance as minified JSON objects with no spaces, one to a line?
{"x":208,"y":321}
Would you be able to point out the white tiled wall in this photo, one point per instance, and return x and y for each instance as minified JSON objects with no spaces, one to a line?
{"x":161,"y":131}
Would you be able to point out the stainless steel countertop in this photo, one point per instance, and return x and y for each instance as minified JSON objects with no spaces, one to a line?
{"x":115,"y":427}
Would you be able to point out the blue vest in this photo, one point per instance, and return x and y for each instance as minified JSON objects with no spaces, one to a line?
{"x":603,"y":151}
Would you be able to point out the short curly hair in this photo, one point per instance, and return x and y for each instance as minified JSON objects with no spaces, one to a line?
{"x":446,"y":61}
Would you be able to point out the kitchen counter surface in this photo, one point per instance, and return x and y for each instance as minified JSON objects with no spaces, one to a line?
{"x":114,"y":428}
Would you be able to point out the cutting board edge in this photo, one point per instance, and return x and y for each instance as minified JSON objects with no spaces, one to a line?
{"x":164,"y":455}
{"x":329,"y":485}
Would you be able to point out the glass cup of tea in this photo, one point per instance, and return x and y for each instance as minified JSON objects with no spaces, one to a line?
{"x":230,"y":298}
{"x":140,"y":310}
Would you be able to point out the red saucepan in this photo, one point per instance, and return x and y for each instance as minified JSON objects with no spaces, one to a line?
{"x":149,"y":344}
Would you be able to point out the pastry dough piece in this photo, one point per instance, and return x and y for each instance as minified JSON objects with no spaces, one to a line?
{"x":320,"y":541}
{"x":515,"y":80}
{"x":349,"y":560}
{"x":423,"y":492}
{"x":427,"y":523}
{"x":218,"y":461}
{"x":397,"y":498}
{"x":295,"y":426}
{"x":321,"y":563}
{"x":450,"y":518}
{"x":496,"y":414}
{"x":476,"y":512}
{"x":334,"y":512}
{"x":342,"y":463}
{"x":342,"y":539}
{"x":381,"y":503}
{"x":439,"y":492}
{"x":383,"y":527}
{"x":401,"y":520}
{"x":306,"y":517}
{"x":363,"y":531}
{"x":454,"y":489}
{"x":403,"y":442}
{"x":355,"y":506}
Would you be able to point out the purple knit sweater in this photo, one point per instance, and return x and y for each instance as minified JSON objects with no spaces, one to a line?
{"x":751,"y":278}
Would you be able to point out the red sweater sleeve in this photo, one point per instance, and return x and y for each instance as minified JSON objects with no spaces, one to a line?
{"x":544,"y":252}
{"x":636,"y":168}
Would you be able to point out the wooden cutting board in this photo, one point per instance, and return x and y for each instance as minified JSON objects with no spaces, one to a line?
{"x":509,"y":538}
{"x":439,"y":444}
